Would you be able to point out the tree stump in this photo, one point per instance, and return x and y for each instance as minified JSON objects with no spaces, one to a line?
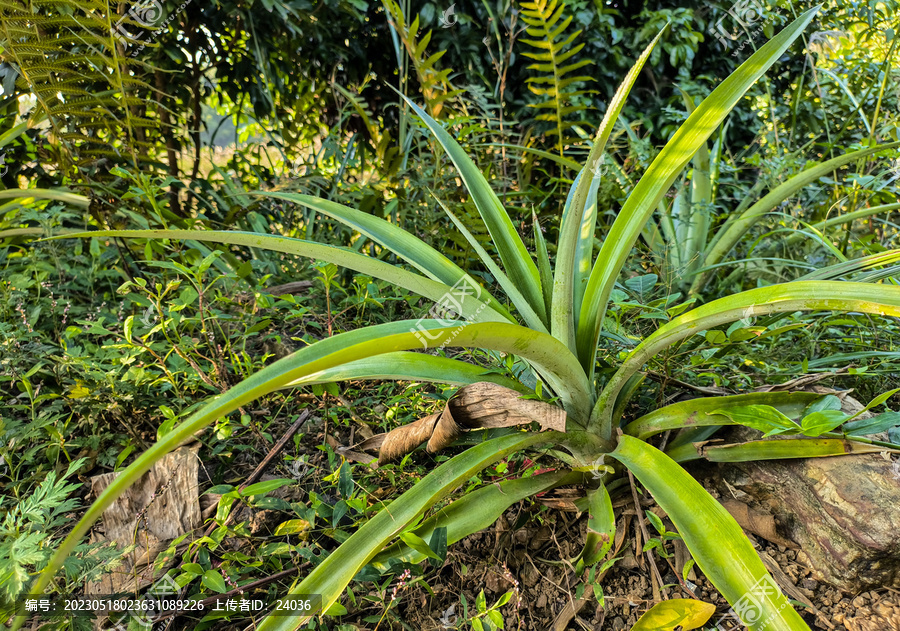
{"x":843,"y":512}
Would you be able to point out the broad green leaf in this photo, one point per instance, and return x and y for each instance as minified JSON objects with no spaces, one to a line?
{"x":579,"y":218}
{"x":659,"y":178}
{"x":418,"y":544}
{"x":786,"y":297}
{"x":714,"y":538}
{"x":266,"y":486}
{"x":128,"y":328}
{"x":676,"y":613}
{"x":828,"y":402}
{"x":707,"y":411}
{"x":874,"y":425}
{"x":214,"y":581}
{"x":764,"y":418}
{"x":642,"y":285}
{"x":472,"y":308}
{"x":438,"y":543}
{"x":601,"y":527}
{"x":818,"y":423}
{"x":335,"y":609}
{"x":292,"y":527}
{"x":881,"y":398}
{"x":515,"y":258}
{"x":331,"y":577}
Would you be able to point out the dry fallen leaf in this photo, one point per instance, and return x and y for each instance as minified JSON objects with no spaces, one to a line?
{"x":479,"y":405}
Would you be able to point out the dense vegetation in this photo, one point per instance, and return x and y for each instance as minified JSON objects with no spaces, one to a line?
{"x":321,"y":230}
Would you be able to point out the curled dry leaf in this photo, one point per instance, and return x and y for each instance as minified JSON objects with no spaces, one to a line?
{"x":476,"y":406}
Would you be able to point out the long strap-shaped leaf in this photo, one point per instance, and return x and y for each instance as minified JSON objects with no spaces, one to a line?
{"x":659,"y":178}
{"x":412,"y":249}
{"x":531,"y":318}
{"x":787,"y":297}
{"x":723,"y":242}
{"x":853,"y":266}
{"x":474,"y":512}
{"x":473,"y":308}
{"x":546,"y":353}
{"x":842,"y":219}
{"x":408,"y":366}
{"x":700,"y":412}
{"x":579,"y":218}
{"x":779,"y":449}
{"x":713,"y":537}
{"x":515,"y":258}
{"x":57,"y":195}
{"x":331,"y":576}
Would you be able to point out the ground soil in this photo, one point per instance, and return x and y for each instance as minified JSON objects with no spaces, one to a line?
{"x":532,"y":562}
{"x":531,"y":556}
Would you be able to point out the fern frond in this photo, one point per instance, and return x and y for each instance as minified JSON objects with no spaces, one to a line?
{"x":69,"y":61}
{"x":556,"y":83}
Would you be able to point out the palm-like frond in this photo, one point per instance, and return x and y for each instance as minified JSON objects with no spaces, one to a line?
{"x":433,"y":82}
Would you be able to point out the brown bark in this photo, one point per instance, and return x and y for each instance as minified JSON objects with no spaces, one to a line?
{"x":841,"y":512}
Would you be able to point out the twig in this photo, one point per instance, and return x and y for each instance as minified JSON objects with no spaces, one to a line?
{"x":640,"y":520}
{"x":304,"y":416}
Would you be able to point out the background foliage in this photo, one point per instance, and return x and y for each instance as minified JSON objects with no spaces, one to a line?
{"x":102,"y":342}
